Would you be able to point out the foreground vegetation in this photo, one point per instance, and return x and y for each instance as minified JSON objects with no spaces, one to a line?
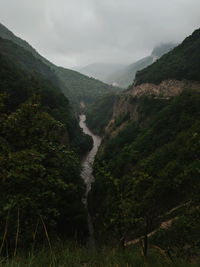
{"x":146,"y":174}
{"x":74,"y":255}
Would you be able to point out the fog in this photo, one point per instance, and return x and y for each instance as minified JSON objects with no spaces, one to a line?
{"x":79,"y":32}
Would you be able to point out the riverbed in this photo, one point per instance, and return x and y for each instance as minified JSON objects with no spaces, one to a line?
{"x":87,"y":171}
{"x":88,"y":160}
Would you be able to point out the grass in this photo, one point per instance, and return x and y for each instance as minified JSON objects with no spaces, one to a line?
{"x":73,"y":255}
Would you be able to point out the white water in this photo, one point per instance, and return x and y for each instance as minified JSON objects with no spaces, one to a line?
{"x":87,"y":170}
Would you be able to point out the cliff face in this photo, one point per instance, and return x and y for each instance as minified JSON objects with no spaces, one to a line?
{"x":165,"y":89}
{"x":127,"y":104}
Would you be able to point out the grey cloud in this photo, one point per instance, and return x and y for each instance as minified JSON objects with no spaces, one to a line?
{"x":79,"y":32}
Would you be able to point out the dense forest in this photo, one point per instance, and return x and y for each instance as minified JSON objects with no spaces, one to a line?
{"x":147,"y":183}
{"x":99,"y":113}
{"x":144,"y":203}
{"x":145,"y":171}
{"x":22,"y":75}
{"x":41,"y":145}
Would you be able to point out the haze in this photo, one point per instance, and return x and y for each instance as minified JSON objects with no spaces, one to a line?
{"x":79,"y":32}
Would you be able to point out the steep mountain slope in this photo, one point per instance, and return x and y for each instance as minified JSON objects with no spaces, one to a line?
{"x":98,"y":108}
{"x":34,"y":68}
{"x":101,"y":71}
{"x":126,"y":76}
{"x":40,"y":173}
{"x":5,"y":33}
{"x":147,"y":169}
{"x":183,"y":62}
{"x":25,"y":59}
{"x":99,"y":113}
{"x":73,"y":84}
{"x":81,"y":88}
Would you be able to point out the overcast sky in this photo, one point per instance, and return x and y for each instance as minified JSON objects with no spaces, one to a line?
{"x":79,"y":32}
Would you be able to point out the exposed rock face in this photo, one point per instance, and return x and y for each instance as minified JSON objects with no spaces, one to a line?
{"x":165,"y":89}
{"x":127,"y":103}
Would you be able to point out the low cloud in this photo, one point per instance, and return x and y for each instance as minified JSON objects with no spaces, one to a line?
{"x":77,"y":32}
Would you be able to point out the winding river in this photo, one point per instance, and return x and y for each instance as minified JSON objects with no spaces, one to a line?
{"x":87,"y":170}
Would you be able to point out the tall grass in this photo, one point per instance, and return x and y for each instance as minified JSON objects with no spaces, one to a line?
{"x":73,"y":255}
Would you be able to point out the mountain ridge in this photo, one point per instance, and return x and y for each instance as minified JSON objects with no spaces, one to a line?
{"x":101,"y":70}
{"x":70,"y":86}
{"x":183,"y":62}
{"x":127,"y":75}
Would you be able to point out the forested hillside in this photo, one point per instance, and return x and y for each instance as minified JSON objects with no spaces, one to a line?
{"x":81,"y":88}
{"x":99,"y":113}
{"x":5,"y":33}
{"x":183,"y":62}
{"x":74,"y":85}
{"x":40,"y":79}
{"x":41,"y":146}
{"x":145,"y":196}
{"x":38,"y":165}
{"x":147,"y":184}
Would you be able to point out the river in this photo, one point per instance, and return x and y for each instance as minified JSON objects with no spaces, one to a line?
{"x":87,"y":172}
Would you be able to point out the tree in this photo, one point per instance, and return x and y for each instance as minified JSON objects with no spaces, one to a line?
{"x":40,"y":179}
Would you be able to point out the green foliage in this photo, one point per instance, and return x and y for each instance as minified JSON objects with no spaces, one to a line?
{"x":82,"y":88}
{"x":40,"y":184}
{"x":70,"y":254}
{"x":182,"y":238}
{"x":121,"y":119}
{"x":40,"y":179}
{"x":5,"y":33}
{"x":183,"y":62}
{"x":99,"y":113}
{"x":33,"y":73}
{"x":150,"y":167}
{"x":26,"y":61}
{"x":21,"y":84}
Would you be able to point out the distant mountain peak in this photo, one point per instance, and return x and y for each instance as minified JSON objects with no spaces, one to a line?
{"x":182,"y":63}
{"x":162,"y":49}
{"x":125,"y":76}
{"x":100,"y":70}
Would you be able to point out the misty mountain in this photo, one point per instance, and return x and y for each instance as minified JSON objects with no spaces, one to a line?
{"x":5,"y":33}
{"x":100,"y":71}
{"x":183,"y":62}
{"x":125,"y":76}
{"x":73,"y":84}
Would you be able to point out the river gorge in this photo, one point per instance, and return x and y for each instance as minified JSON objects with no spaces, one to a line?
{"x":87,"y":171}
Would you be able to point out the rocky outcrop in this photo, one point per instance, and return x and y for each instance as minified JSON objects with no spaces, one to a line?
{"x":165,"y":89}
{"x":127,"y":103}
